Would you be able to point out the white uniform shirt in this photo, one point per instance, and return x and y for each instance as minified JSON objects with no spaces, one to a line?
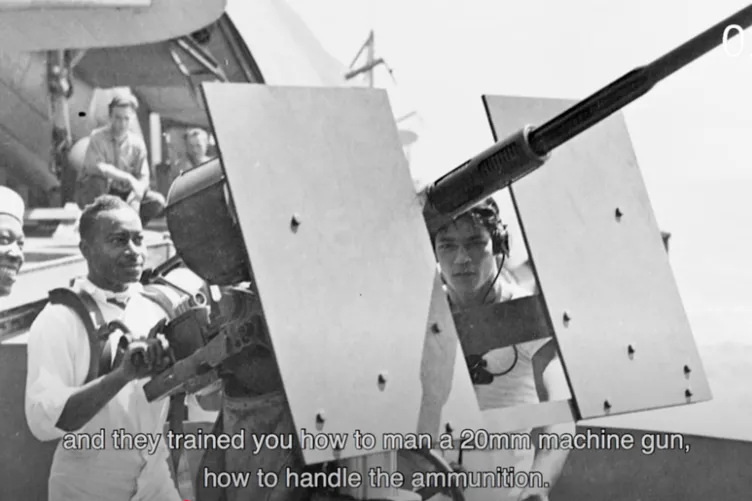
{"x":58,"y":362}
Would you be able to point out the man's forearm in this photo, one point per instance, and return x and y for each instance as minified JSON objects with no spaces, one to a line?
{"x":550,"y":462}
{"x":84,"y":404}
{"x":115,"y":174}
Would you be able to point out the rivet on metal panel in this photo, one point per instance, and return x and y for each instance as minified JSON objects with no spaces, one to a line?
{"x":566,"y":318}
{"x":630,"y":351}
{"x":294,"y":222}
{"x":382,"y":380}
{"x":320,"y":417}
{"x":449,"y":428}
{"x":687,"y":370}
{"x":688,"y":393}
{"x":607,"y":405}
{"x":435,"y":328}
{"x":618,"y":214}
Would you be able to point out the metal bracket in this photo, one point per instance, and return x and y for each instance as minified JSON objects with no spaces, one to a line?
{"x":200,"y":369}
{"x":201,"y":56}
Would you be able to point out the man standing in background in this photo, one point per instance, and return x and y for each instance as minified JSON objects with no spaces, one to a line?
{"x":196,"y":146}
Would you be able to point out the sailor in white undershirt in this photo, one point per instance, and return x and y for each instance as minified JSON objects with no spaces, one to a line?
{"x":470,"y":253}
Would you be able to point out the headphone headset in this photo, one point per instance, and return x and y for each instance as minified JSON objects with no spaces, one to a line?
{"x":500,"y":240}
{"x":488,"y":210}
{"x":488,"y":213}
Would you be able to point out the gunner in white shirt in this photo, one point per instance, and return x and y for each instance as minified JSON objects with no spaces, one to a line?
{"x":471,"y":252}
{"x":58,"y":401}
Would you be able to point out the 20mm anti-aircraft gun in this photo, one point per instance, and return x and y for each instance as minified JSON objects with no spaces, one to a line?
{"x":311,"y":204}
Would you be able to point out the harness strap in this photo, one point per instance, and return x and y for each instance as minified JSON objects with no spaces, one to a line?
{"x":158,"y":296}
{"x":87,"y":309}
{"x":175,"y":419}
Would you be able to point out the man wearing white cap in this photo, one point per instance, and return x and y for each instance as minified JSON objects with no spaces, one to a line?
{"x":11,"y":238}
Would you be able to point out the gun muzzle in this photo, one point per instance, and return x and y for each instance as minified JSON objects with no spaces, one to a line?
{"x":517,"y":156}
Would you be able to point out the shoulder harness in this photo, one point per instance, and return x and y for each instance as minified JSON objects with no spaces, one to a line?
{"x":101,"y":360}
{"x":81,"y":302}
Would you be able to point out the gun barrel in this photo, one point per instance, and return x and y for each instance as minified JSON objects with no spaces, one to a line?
{"x":517,"y":156}
{"x":631,"y":86}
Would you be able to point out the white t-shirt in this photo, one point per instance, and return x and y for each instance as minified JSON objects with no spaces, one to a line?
{"x":517,"y":387}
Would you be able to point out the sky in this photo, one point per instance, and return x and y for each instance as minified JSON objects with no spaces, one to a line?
{"x":691,"y":133}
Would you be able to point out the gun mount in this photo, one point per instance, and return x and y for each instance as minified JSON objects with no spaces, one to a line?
{"x":201,"y":199}
{"x":293,"y":210}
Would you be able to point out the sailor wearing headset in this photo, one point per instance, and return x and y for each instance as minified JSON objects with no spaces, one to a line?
{"x":471,"y":251}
